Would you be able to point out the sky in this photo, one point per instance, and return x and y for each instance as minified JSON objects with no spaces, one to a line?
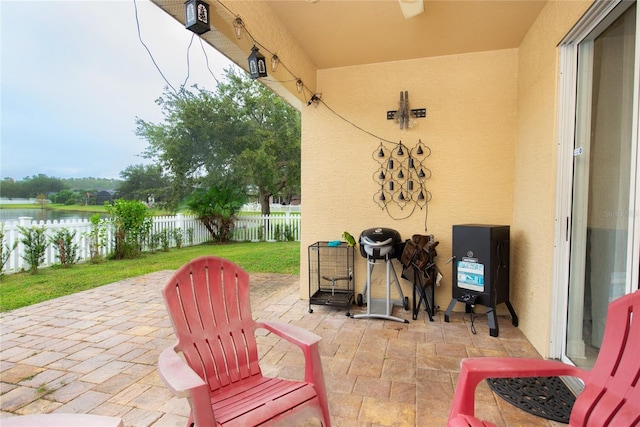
{"x":74,"y":76}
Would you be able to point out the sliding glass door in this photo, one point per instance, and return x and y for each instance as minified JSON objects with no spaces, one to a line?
{"x":603,"y":196}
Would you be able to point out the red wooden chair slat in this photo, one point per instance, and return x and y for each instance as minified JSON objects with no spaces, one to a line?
{"x":209,"y":307}
{"x":611,"y":397}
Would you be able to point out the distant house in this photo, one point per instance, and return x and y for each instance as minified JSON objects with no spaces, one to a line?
{"x":105,"y":196}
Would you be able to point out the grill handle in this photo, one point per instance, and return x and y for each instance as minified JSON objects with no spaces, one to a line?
{"x":370,"y":242}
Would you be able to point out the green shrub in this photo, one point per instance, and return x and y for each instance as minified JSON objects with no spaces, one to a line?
{"x":153,"y":242}
{"x":67,"y":250}
{"x":165,"y":239}
{"x":177,"y":237}
{"x":133,"y":224}
{"x":5,"y":249}
{"x":34,"y":240}
{"x":97,"y":238}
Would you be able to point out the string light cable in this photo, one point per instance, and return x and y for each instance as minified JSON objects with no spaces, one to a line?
{"x":135,"y":7}
{"x":188,"y":62}
{"x":206,"y":59}
{"x":314,"y":98}
{"x":187,"y":56}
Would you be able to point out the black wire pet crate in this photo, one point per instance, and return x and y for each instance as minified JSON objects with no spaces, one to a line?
{"x":331,"y":274}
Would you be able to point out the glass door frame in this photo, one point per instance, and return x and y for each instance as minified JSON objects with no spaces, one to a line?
{"x":599,"y":14}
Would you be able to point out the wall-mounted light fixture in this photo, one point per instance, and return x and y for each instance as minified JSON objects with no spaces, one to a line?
{"x":196,"y":16}
{"x":315,"y":99}
{"x":257,"y":64}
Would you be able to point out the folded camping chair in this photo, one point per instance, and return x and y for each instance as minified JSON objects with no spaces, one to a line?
{"x":208,"y":304}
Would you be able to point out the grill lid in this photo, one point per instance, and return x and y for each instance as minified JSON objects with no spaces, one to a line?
{"x":378,"y":242}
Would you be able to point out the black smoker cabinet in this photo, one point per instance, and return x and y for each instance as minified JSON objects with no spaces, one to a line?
{"x":331,"y":266}
{"x":481,"y":270}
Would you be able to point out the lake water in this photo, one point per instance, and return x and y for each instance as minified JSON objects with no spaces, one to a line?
{"x":37,"y":214}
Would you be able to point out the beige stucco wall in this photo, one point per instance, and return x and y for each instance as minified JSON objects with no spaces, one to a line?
{"x":491,"y":126}
{"x":470,"y":128}
{"x":532,"y":232}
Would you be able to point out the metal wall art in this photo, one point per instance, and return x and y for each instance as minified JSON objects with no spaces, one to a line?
{"x":405,"y":116}
{"x":401,"y":175}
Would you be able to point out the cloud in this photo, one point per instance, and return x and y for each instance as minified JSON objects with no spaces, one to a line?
{"x":74,"y":77}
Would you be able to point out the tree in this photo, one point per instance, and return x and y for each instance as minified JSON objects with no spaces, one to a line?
{"x":243,"y":131}
{"x":9,"y":188}
{"x":67,"y":197}
{"x":217,"y":206}
{"x":270,"y":160}
{"x":198,"y":139}
{"x":143,"y":181}
{"x":40,"y":184}
{"x":42,"y":200}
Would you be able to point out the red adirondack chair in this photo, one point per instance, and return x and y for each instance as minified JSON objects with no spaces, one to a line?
{"x":208,"y":304}
{"x":611,"y":397}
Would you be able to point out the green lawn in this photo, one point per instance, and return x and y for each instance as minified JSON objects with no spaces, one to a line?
{"x":23,"y":289}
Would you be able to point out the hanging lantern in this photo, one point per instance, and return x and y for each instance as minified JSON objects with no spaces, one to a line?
{"x":238,"y":25}
{"x":257,"y":64}
{"x":275,"y":61}
{"x":196,"y":16}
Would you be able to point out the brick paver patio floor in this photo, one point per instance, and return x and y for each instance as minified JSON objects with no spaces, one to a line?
{"x":96,"y":352}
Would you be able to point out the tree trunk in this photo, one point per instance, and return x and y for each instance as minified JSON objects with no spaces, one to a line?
{"x":264,"y":203}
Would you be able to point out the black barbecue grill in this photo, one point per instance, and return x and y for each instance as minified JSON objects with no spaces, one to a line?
{"x":377,"y":243}
{"x":381,"y":244}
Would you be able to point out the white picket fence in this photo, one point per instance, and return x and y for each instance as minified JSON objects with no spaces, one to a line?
{"x":247,"y":228}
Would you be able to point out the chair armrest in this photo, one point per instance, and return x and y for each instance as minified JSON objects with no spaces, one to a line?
{"x":474,"y":370}
{"x":176,"y":374}
{"x":183,"y":381}
{"x":308,"y":343}
{"x":292,"y":333}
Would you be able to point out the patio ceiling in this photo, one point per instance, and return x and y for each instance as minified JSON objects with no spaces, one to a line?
{"x":342,"y":33}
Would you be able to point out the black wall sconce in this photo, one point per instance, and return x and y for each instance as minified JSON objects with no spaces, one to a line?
{"x":196,"y":16}
{"x":257,"y":64}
